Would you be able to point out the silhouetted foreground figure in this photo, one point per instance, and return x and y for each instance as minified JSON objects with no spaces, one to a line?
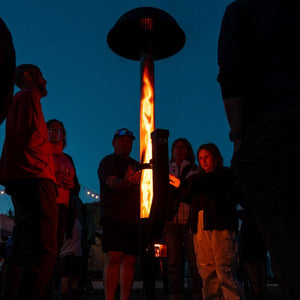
{"x":7,"y":70}
{"x":259,"y":62}
{"x":27,"y":171}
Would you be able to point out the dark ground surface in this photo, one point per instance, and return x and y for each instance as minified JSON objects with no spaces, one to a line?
{"x":138,"y":294}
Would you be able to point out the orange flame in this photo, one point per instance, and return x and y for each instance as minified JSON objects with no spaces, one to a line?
{"x":146,"y":127}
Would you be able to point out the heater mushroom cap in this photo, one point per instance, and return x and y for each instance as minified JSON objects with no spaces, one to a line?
{"x":146,"y":30}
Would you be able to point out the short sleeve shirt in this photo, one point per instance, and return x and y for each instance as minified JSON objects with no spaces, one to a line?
{"x":119,"y":204}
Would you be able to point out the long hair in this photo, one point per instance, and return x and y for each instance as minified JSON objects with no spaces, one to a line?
{"x":190,"y":156}
{"x":214,"y":151}
{"x":50,"y":122}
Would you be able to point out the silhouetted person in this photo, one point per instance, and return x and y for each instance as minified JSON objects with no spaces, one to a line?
{"x":7,"y":70}
{"x":27,"y":172}
{"x":120,"y":209}
{"x":259,"y":61}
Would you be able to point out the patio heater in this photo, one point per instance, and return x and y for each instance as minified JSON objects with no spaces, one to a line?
{"x":147,"y":34}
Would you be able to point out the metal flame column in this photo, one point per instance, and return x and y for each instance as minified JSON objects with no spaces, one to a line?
{"x":146,"y":34}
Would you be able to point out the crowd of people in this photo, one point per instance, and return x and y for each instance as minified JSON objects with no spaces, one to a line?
{"x":259,"y":76}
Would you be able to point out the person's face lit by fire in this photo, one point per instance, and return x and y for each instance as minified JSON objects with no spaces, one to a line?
{"x":56,"y":136}
{"x":39,"y":82}
{"x":206,"y":161}
{"x":179,"y":152}
{"x":123,"y":145}
{"x":33,"y":79}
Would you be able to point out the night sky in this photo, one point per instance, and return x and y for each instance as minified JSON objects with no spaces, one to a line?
{"x":93,"y":91}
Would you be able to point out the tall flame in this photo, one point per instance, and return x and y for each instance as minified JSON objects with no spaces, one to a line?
{"x":146,"y":127}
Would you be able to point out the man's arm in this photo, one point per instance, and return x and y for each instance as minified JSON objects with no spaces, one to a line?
{"x":233,"y":72}
{"x":131,"y":177}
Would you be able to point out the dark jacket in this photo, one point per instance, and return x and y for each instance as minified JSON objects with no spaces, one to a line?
{"x":215,"y":194}
{"x":258,"y":55}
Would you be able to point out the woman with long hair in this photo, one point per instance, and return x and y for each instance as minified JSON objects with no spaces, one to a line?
{"x":214,"y":223}
{"x":179,"y":239}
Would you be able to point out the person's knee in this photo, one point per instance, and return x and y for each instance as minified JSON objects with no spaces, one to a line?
{"x":115,"y":258}
{"x":129,"y":260}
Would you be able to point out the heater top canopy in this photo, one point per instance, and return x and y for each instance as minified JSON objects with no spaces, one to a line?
{"x":146,"y":30}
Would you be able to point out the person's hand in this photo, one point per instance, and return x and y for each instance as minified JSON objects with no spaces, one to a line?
{"x":173,"y":180}
{"x":65,"y":180}
{"x":132,"y":175}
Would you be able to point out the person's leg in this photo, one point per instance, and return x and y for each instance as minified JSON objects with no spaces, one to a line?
{"x":267,"y":166}
{"x":257,"y":276}
{"x":206,"y":262}
{"x":35,"y":234}
{"x":174,"y":238}
{"x":225,"y":250}
{"x":41,"y":246}
{"x":65,"y":287}
{"x":77,"y":264}
{"x":111,"y":274}
{"x":253,"y":255}
{"x":62,"y":221}
{"x":127,"y":276}
{"x":190,"y":254}
{"x":13,"y":269}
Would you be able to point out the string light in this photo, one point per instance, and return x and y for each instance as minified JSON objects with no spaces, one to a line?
{"x":88,"y":192}
{"x":85,"y":190}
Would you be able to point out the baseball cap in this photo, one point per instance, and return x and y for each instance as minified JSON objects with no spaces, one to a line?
{"x":124,"y":132}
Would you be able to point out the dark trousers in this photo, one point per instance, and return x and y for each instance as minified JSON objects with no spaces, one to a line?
{"x":179,"y":245}
{"x":267,"y":166}
{"x":34,"y":246}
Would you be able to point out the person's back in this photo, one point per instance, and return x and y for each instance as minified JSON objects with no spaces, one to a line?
{"x":262,"y":57}
{"x":259,"y":75}
{"x":275,"y":65}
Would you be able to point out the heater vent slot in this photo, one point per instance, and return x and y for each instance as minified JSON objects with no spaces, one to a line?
{"x":147,"y":24}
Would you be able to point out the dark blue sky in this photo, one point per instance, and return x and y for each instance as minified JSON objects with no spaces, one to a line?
{"x":93,"y":91}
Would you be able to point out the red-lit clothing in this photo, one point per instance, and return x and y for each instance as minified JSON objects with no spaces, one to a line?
{"x":26,"y":151}
{"x":27,"y":171}
{"x":63,"y":167}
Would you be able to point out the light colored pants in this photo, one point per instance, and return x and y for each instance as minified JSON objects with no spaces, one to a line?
{"x":217,"y":261}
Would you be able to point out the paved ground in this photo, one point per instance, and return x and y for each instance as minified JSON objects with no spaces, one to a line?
{"x":138,"y":294}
